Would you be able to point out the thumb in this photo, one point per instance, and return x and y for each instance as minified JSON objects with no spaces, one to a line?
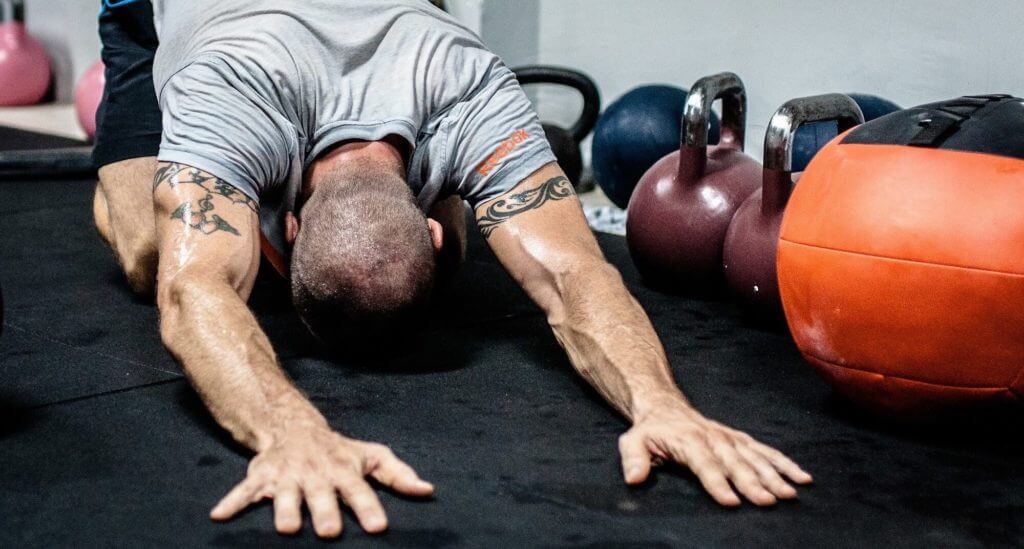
{"x":636,"y":459}
{"x":394,"y":473}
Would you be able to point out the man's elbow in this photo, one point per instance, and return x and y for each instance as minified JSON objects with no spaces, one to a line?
{"x":175,"y":296}
{"x":580,"y":286}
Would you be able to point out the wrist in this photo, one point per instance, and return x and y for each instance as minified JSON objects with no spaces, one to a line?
{"x":653,"y":403}
{"x":288,"y":421}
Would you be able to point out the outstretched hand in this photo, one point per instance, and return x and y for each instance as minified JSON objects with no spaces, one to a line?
{"x":722,"y":458}
{"x":316,"y":465}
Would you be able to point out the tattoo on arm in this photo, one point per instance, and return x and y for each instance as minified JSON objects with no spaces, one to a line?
{"x":200,"y":215}
{"x":501,"y":211}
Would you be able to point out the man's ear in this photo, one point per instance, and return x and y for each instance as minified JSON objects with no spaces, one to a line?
{"x":291,"y":227}
{"x":436,"y":234}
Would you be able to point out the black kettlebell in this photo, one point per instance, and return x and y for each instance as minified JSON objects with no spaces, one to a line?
{"x":565,"y":142}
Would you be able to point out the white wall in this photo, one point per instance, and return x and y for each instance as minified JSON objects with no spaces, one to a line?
{"x":911,"y":51}
{"x":70,"y":31}
{"x":509,"y":27}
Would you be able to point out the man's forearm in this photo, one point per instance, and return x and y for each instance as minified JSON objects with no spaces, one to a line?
{"x":230,"y":362}
{"x":539,"y":233}
{"x":610,"y":341}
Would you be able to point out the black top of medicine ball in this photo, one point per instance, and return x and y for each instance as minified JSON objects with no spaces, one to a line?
{"x":990,"y":124}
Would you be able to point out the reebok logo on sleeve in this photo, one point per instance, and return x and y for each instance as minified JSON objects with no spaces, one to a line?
{"x":503,"y":150}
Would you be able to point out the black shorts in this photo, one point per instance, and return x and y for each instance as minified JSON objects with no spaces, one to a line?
{"x":128,"y":119}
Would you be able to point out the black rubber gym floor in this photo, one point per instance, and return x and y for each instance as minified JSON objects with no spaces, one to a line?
{"x":103,"y":443}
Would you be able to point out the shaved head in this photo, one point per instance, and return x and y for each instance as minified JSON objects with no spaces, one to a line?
{"x":362,"y":263}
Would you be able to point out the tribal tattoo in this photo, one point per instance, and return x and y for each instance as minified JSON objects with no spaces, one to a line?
{"x":501,"y":211}
{"x":200,"y":215}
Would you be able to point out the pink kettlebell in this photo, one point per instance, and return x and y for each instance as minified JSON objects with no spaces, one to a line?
{"x":24,"y":64}
{"x":88,"y":94}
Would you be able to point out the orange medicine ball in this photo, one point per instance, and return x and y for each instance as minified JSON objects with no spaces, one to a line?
{"x":901,"y":258}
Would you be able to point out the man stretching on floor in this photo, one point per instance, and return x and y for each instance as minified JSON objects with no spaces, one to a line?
{"x":329,"y":128}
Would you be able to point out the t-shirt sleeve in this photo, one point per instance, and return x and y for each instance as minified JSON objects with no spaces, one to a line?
{"x":494,"y":141}
{"x":211,"y":122}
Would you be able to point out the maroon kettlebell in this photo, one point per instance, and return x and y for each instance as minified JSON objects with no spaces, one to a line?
{"x":749,"y":254}
{"x":681,"y":208}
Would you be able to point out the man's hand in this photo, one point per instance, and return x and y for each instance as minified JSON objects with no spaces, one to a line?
{"x":715,"y":453}
{"x":316,"y":464}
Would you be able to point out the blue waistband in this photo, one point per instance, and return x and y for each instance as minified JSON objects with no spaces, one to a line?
{"x":111,"y":4}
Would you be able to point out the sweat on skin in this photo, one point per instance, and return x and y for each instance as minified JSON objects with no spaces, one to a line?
{"x":249,"y":134}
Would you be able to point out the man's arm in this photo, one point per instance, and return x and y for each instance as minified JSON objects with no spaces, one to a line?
{"x":539,"y":233}
{"x":207,"y":235}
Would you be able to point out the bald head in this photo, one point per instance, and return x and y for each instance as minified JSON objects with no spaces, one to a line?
{"x":363,"y":261}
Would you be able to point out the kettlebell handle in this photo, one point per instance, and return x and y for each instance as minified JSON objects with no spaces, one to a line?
{"x":546,"y":74}
{"x":729,"y":88}
{"x":693,"y":147}
{"x":777,"y":181}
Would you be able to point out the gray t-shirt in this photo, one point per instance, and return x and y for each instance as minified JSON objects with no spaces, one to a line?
{"x":253,"y":90}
